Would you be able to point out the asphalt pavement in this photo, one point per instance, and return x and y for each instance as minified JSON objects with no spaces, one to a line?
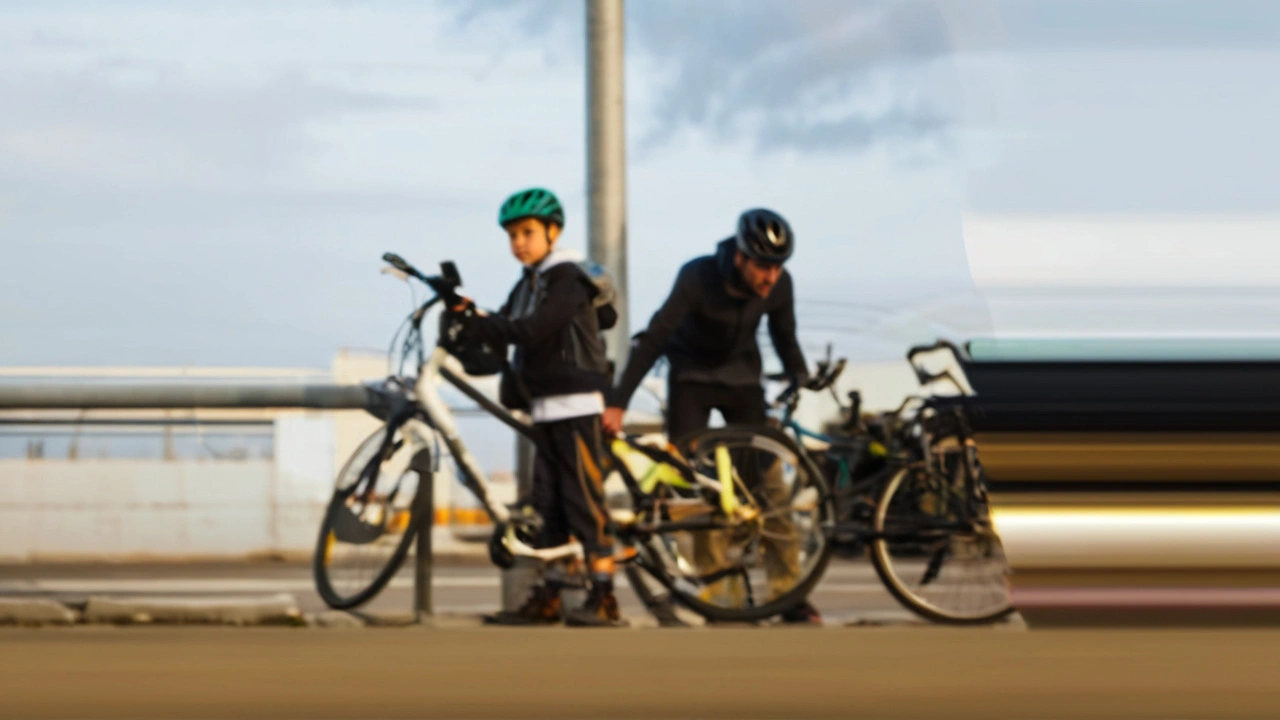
{"x":872,"y":659}
{"x":850,"y":592}
{"x":885,"y":673}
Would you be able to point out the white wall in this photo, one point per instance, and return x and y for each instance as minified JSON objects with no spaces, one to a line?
{"x":304,"y":476}
{"x":135,"y":508}
{"x":122,"y":509}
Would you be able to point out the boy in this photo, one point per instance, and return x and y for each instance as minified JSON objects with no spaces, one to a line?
{"x":561,"y":371}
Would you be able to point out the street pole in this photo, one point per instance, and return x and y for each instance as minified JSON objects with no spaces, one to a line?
{"x":607,"y":159}
{"x":519,"y":579}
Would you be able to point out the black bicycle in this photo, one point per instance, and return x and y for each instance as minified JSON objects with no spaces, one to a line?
{"x":693,"y":528}
{"x":908,"y":487}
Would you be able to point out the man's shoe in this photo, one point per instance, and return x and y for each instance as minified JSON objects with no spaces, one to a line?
{"x":600,"y":610}
{"x":542,"y":607}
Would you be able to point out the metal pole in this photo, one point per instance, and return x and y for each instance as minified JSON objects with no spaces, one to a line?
{"x":607,"y":158}
{"x":517,"y":580}
{"x":422,"y":562}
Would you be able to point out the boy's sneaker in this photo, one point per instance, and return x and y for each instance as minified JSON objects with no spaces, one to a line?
{"x":600,"y":610}
{"x":542,"y":607}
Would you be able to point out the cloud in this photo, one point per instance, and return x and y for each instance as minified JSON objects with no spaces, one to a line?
{"x":52,"y":40}
{"x":782,"y":64}
{"x":140,"y":125}
{"x":819,"y":75}
{"x":1125,"y":24}
{"x":831,"y":75}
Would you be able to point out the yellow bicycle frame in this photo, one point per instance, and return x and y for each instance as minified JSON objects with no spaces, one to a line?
{"x":658,"y":473}
{"x":724,"y":473}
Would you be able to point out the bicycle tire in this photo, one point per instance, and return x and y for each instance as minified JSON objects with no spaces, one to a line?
{"x":689,"y":596}
{"x":321,"y":571}
{"x":886,"y":569}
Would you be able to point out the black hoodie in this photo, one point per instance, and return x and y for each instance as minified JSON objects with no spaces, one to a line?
{"x":549,"y":318}
{"x":707,"y":328}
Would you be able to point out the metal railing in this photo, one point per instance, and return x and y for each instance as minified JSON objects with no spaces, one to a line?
{"x":149,"y":396}
{"x":86,"y":396}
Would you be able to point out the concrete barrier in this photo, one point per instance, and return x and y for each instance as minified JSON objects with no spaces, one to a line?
{"x":271,"y":610}
{"x":34,"y":611}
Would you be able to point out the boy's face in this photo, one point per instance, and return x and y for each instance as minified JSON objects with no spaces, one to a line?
{"x":531,"y":241}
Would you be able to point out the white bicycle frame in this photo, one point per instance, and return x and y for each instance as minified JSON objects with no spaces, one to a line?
{"x":427,"y":395}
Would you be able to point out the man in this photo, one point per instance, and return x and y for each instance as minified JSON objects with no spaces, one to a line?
{"x":707,"y":330}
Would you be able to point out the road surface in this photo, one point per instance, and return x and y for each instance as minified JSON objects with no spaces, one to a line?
{"x":886,"y":673}
{"x":849,"y":591}
{"x":894,"y":668}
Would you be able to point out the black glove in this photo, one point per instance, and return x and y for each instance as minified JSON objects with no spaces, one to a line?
{"x":456,"y":327}
{"x":460,"y":336}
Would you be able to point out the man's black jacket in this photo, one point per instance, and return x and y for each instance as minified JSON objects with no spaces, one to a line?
{"x":707,"y":329}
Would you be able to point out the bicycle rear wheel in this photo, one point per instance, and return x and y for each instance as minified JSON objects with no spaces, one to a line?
{"x":372,"y":518}
{"x":933,"y":560}
{"x":751,"y":569}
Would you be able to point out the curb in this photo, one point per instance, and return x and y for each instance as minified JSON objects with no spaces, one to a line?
{"x":271,"y":610}
{"x":336,"y":619}
{"x":16,"y":611}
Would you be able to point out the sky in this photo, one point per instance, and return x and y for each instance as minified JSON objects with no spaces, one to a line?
{"x":214,"y":183}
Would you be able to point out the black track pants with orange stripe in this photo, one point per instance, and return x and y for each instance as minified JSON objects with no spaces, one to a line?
{"x":568,"y":485}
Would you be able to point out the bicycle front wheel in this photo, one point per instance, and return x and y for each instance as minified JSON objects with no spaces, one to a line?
{"x":372,"y":518}
{"x":770,"y":553}
{"x":937,"y":552}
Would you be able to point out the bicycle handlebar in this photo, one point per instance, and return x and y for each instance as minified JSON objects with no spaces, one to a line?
{"x":959,"y":354}
{"x":445,"y":285}
{"x":399,"y":263}
{"x":925,"y":377}
{"x":825,"y":377}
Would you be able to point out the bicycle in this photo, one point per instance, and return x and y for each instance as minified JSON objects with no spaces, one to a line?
{"x":374,"y":511}
{"x":907,"y":485}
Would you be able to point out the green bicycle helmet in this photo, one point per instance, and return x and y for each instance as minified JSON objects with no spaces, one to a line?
{"x":532,"y":203}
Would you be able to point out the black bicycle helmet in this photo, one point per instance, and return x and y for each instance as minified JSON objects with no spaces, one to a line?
{"x":764,"y":236}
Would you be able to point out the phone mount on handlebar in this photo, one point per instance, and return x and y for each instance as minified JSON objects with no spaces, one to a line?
{"x":449,"y":273}
{"x":447,"y":284}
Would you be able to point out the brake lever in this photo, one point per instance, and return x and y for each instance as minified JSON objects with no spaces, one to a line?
{"x":395,"y":272}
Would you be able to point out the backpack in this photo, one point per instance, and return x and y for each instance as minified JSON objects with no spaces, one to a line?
{"x":604,"y":293}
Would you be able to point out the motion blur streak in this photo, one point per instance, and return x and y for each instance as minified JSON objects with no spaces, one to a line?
{"x":1134,"y":481}
{"x":1140,"y":537}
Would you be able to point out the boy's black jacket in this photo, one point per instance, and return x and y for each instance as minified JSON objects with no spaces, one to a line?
{"x":549,"y":318}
